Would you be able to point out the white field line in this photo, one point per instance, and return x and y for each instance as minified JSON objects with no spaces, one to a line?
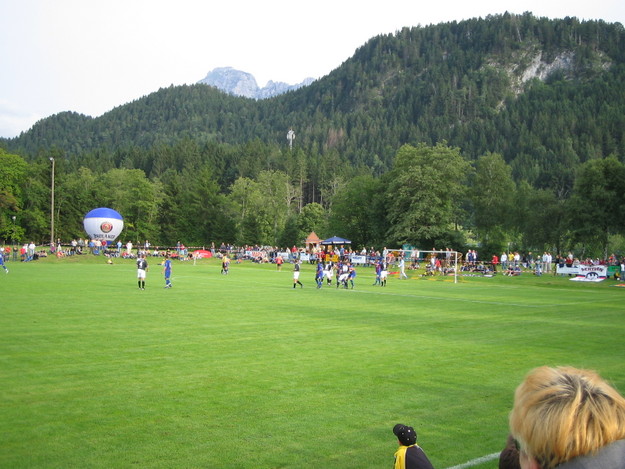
{"x":475,"y":462}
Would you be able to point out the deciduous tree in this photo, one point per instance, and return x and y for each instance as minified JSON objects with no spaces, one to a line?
{"x":423,"y":189}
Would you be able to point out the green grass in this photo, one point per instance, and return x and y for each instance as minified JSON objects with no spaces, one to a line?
{"x":243,"y":371}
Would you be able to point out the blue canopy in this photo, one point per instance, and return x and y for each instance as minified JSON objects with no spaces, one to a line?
{"x":335,"y":240}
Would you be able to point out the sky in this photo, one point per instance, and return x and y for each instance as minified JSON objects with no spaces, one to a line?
{"x":91,"y":56}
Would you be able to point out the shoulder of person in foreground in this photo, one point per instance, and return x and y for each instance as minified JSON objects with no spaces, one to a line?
{"x":611,"y":456}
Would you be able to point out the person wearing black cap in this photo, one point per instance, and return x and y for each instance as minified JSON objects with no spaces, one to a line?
{"x":409,"y":455}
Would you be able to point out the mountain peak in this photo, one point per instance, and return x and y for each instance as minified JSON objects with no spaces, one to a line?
{"x":239,"y":83}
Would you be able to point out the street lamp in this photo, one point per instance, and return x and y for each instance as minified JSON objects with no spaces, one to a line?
{"x":13,"y":247}
{"x":52,"y":208}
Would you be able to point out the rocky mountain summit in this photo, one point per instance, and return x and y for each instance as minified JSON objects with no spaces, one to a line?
{"x":239,"y":83}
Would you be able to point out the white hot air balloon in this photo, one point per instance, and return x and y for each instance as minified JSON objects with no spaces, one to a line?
{"x":104,"y":224}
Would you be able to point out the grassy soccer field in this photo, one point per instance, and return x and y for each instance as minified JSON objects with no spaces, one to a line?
{"x":243,"y":371}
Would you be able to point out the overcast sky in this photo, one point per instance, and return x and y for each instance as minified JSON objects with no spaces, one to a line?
{"x":90,"y":56}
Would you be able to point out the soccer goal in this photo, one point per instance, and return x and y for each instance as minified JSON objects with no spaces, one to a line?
{"x":443,"y":262}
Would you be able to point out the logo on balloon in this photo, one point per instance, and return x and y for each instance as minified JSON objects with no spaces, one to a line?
{"x":103,"y":223}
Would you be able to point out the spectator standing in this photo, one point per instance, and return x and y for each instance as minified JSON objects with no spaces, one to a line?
{"x":31,"y":251}
{"x":294,"y":252}
{"x":547,"y":259}
{"x":494,"y":261}
{"x":504,"y":260}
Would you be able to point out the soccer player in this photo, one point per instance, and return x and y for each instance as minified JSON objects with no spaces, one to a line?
{"x":296,"y":269}
{"x":343,"y":273}
{"x":2,"y":263}
{"x":352,"y":275}
{"x":328,"y":271}
{"x":378,"y":271}
{"x":402,"y":268}
{"x":319,"y":274}
{"x":167,"y":271}
{"x":383,"y":274}
{"x":142,"y":268}
{"x":225,"y":264}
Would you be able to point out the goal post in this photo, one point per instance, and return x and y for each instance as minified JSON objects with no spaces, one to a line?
{"x":447,"y":258}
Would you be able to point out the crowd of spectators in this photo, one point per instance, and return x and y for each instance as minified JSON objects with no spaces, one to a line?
{"x":444,"y":262}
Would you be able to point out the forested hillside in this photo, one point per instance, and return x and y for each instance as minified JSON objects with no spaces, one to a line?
{"x":538,"y":101}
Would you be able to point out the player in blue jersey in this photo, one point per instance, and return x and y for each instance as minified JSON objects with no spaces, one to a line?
{"x":167,"y":271}
{"x":378,"y":271}
{"x":319,"y":274}
{"x":352,"y":275}
{"x":2,"y":263}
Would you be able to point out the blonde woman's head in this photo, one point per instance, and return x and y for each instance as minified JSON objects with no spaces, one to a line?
{"x":562,"y":413}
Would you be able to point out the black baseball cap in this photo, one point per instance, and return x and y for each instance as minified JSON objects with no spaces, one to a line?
{"x":406,"y":435}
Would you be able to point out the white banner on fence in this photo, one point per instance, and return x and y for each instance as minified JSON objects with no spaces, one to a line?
{"x":564,"y":270}
{"x":359,"y":259}
{"x":590,"y":273}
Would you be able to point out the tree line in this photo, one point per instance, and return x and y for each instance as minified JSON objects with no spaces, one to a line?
{"x":432,"y":197}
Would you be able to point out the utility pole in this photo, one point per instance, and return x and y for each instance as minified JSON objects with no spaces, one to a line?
{"x":52,"y":244}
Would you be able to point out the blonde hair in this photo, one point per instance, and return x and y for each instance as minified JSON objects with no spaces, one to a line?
{"x":561,"y":413}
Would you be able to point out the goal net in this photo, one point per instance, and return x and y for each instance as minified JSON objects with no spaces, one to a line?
{"x":435,"y":262}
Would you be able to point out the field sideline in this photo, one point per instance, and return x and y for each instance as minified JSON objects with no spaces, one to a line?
{"x":243,"y":371}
